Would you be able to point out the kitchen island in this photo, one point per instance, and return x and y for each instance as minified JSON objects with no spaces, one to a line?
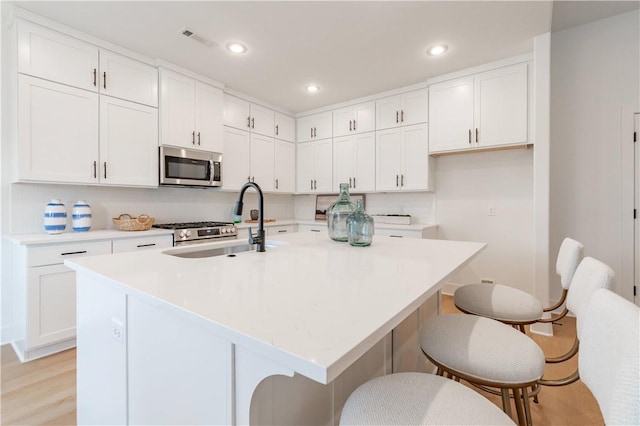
{"x":165,"y":339}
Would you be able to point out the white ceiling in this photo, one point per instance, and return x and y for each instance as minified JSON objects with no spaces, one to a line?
{"x":351,"y":49}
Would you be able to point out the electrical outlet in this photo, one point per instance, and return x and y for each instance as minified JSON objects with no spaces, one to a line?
{"x":117,"y":330}
{"x":487,"y":281}
{"x":491,"y":211}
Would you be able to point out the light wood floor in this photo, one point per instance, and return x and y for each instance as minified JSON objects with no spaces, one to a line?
{"x":44,"y":391}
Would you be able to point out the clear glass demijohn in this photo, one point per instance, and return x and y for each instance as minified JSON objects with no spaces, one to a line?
{"x":360,"y":227}
{"x":338,"y":213}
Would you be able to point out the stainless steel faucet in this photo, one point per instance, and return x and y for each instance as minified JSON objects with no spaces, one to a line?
{"x":257,"y":239}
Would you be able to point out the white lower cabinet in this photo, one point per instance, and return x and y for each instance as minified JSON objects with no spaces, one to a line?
{"x":44,"y":291}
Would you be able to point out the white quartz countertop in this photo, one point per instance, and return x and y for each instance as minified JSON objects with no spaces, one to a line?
{"x":69,"y":237}
{"x":313,"y":304}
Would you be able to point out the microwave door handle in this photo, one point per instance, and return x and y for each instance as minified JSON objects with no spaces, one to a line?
{"x":211,"y":172}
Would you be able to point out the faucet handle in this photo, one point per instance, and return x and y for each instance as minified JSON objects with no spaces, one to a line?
{"x":254,"y":238}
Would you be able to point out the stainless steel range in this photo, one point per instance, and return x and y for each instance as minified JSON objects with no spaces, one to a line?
{"x":200,"y":232}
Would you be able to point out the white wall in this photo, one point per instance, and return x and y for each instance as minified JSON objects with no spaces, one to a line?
{"x":165,"y":204}
{"x":594,"y":91}
{"x":467,"y":185}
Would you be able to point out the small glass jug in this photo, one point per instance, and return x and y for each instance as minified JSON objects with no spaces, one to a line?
{"x":360,"y":227}
{"x":338,"y":213}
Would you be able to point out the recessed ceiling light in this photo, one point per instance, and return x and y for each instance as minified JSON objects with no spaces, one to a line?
{"x":312,"y":88}
{"x":438,"y":49}
{"x":235,"y":47}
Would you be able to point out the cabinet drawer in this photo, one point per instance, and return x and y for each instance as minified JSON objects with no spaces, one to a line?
{"x":145,"y":243}
{"x":313,"y":228}
{"x":56,"y":254}
{"x":278,"y":230}
{"x":399,"y":233}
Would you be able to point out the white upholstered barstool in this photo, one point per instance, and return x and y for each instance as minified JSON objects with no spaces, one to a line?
{"x":516,"y":307}
{"x":419,"y":399}
{"x":489,"y":353}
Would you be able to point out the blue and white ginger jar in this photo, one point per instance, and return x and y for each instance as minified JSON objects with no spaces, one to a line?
{"x":55,"y":217}
{"x":81,"y":216}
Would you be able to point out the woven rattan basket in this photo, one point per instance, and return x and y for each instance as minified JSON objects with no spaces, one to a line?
{"x":126,"y":222}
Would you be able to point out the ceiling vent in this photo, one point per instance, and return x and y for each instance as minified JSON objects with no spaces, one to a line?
{"x":193,"y":36}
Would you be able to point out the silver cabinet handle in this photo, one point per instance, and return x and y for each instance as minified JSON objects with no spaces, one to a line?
{"x":401,"y":180}
{"x":397,"y":117}
{"x":276,"y":130}
{"x":146,"y":245}
{"x":276,"y":183}
{"x":105,"y":169}
{"x":315,"y":184}
{"x":311,"y":131}
{"x":402,"y":116}
{"x":350,"y":129}
{"x":354,"y":182}
{"x":193,"y":137}
{"x":477,"y":136}
{"x":249,"y":121}
{"x":282,"y":231}
{"x":469,"y":136}
{"x":315,"y":230}
{"x":354,"y":125}
{"x":198,"y":138}
{"x":248,"y":178}
{"x":104,"y":79}
{"x":315,"y":132}
{"x":253,"y":122}
{"x":350,"y":183}
{"x":397,"y":180}
{"x":95,"y":71}
{"x":396,"y":236}
{"x":311,"y":184}
{"x":95,"y":169}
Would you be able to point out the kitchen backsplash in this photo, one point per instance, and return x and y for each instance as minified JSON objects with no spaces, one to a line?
{"x":185,"y":204}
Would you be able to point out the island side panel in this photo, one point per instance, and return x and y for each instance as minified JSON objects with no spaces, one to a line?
{"x":101,"y":353}
{"x":180,"y":372}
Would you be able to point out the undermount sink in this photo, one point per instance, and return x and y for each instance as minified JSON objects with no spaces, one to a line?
{"x":194,"y":253}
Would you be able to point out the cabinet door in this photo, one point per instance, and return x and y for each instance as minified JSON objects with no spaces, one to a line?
{"x":285,"y":167}
{"x":57,"y":132}
{"x":237,"y":112}
{"x":304,"y":128}
{"x":501,"y":106}
{"x":343,"y":121}
{"x":285,"y":127}
{"x":262,"y":120}
{"x":388,"y":160}
{"x":388,"y":112}
{"x":262,"y":161}
{"x":128,"y":143}
{"x":364,"y":116}
{"x":126,"y":78}
{"x":209,"y":118}
{"x":177,"y":109}
{"x":414,"y":107}
{"x":415,"y":158}
{"x":451,"y":115}
{"x":304,"y":167}
{"x":323,"y":169}
{"x":235,"y":161}
{"x":51,"y":305}
{"x":53,"y":56}
{"x":365,"y":162}
{"x":343,"y":161}
{"x":142,"y":243}
{"x":323,"y":127}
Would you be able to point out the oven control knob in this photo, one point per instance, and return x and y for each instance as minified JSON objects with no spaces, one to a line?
{"x":223,"y":230}
{"x":232,"y":229}
{"x":188,"y":233}
{"x":181,"y":234}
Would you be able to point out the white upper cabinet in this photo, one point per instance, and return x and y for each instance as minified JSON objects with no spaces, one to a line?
{"x":354,"y":159}
{"x":354,"y":119}
{"x":314,"y":127}
{"x":262,"y":161}
{"x":245,"y":115}
{"x":236,"y":169}
{"x":285,"y":127}
{"x":128,"y":79}
{"x":285,"y":166}
{"x":54,"y":56}
{"x":191,"y":113}
{"x":313,"y":166}
{"x":402,"y":160}
{"x":57,"y":57}
{"x":57,"y":132}
{"x":484,"y":110}
{"x":402,"y":110}
{"x":128,"y":143}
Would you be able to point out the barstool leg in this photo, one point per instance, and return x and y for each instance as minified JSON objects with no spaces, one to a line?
{"x":440,"y":371}
{"x":517,"y":399}
{"x":506,"y":403}
{"x":527,"y":406}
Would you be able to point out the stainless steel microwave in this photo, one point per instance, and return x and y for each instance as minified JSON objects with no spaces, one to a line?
{"x":190,"y":167}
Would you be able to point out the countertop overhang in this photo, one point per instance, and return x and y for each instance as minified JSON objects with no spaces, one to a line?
{"x":314,"y":304}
